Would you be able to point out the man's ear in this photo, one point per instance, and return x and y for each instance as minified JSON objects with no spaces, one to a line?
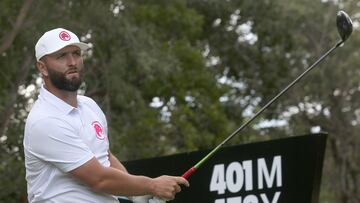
{"x":42,"y":68}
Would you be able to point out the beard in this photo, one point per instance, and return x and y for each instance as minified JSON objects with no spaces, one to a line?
{"x":59,"y":80}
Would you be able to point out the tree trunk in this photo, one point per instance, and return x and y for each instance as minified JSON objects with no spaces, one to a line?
{"x":10,"y":37}
{"x":13,"y":92}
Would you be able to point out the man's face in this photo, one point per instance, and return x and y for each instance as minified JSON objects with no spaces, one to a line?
{"x":65,"y":68}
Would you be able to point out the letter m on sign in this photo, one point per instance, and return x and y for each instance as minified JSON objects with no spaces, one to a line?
{"x":263,"y":173}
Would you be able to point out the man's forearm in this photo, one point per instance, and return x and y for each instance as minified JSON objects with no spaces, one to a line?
{"x":118,"y":182}
{"x":122,"y":183}
{"x":115,"y":163}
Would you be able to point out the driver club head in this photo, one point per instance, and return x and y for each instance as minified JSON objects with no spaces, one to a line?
{"x":344,"y":25}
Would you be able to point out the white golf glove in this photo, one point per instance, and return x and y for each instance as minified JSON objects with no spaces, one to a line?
{"x":141,"y":199}
{"x":156,"y":200}
{"x":147,"y":199}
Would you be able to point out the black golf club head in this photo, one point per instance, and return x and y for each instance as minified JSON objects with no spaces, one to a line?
{"x":344,"y":25}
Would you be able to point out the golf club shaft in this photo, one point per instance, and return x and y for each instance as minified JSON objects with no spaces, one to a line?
{"x":189,"y":172}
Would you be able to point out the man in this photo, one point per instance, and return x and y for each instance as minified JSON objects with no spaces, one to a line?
{"x":66,"y":147}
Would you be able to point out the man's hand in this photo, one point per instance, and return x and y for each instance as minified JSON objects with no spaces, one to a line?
{"x":166,"y":187}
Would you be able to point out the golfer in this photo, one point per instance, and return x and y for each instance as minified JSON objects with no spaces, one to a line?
{"x":66,"y":145}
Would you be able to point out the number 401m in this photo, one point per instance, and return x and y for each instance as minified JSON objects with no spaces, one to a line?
{"x":237,"y":176}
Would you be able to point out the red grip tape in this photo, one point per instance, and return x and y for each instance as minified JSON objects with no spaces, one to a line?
{"x":188,"y":173}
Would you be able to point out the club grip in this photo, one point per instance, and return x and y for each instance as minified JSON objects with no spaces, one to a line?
{"x":188,"y":173}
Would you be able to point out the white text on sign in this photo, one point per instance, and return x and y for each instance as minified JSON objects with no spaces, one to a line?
{"x":237,"y":177}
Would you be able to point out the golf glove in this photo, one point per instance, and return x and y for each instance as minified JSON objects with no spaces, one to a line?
{"x":156,"y":200}
{"x":141,"y":199}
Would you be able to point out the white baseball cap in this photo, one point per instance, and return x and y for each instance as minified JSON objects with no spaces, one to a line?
{"x":56,"y":39}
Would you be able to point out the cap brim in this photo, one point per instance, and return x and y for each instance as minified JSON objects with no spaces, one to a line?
{"x":81,"y":45}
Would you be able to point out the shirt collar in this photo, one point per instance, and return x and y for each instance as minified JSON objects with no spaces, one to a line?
{"x":55,"y":101}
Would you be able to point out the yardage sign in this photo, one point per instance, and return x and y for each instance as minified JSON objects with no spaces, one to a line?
{"x":239,"y":176}
{"x":278,"y":171}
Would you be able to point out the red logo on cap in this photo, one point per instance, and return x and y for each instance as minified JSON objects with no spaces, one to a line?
{"x":64,"y":36}
{"x":98,"y":130}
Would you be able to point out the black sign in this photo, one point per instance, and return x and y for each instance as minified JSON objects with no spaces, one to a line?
{"x":278,"y":171}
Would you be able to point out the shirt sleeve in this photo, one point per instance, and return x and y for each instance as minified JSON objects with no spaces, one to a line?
{"x":56,"y":141}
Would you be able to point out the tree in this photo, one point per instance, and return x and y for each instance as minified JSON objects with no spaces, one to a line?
{"x":285,"y":34}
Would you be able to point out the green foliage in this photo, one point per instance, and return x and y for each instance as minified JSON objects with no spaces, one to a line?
{"x":168,"y":20}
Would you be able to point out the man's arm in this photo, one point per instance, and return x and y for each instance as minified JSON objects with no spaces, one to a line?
{"x":115,"y":163}
{"x":118,"y":182}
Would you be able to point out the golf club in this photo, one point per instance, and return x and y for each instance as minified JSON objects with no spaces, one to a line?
{"x":344,"y":26}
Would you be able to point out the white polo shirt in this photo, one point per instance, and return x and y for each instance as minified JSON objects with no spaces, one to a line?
{"x":59,"y":138}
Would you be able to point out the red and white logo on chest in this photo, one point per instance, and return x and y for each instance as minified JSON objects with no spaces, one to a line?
{"x":99,"y":130}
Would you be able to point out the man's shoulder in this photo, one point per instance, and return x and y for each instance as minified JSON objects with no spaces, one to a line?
{"x":90,"y":104}
{"x":86,"y":100}
{"x":40,"y":109}
{"x":43,"y":111}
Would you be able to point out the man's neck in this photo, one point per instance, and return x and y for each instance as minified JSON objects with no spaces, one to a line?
{"x":67,"y":96}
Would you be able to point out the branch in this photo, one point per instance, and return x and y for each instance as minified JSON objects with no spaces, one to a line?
{"x":19,"y":80}
{"x":9,"y":38}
